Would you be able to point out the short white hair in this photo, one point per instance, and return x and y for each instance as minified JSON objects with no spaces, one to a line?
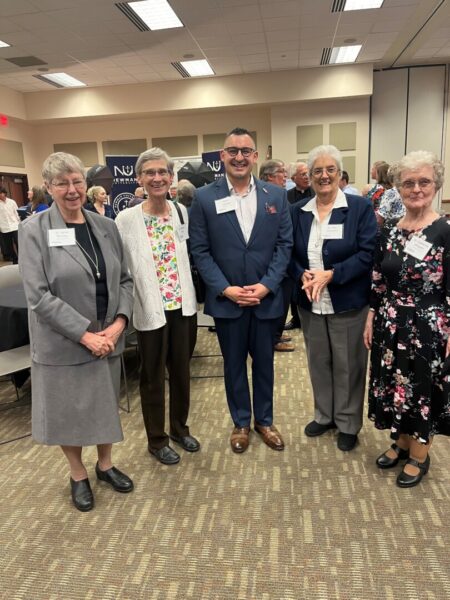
{"x":414,"y":161}
{"x":325,"y":150}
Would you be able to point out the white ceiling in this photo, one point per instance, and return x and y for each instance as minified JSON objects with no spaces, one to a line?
{"x":93,"y":41}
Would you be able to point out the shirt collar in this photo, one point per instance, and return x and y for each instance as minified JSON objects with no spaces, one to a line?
{"x":251,"y":185}
{"x":340,"y":202}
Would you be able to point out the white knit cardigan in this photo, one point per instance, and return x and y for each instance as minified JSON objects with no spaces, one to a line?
{"x":148,"y":310}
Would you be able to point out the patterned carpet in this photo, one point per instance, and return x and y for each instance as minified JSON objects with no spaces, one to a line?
{"x":308,"y":523}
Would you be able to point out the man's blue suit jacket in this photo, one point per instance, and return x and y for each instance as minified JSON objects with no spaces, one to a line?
{"x":224,"y":258}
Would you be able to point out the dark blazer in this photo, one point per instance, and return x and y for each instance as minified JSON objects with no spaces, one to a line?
{"x":224,"y":258}
{"x":60,"y":287}
{"x":109,"y":211}
{"x":351,"y":257}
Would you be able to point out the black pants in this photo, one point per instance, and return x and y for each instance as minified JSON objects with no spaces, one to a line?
{"x":170,"y":346}
{"x":10,"y":246}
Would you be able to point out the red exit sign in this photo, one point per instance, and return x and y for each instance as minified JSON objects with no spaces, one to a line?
{"x":3,"y":121}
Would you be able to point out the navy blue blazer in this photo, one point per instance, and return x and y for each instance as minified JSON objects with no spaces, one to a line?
{"x":224,"y":258}
{"x":351,"y":257}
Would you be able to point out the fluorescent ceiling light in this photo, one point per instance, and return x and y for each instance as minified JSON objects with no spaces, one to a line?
{"x":344,"y":54}
{"x":156,"y":14}
{"x":197,"y":68}
{"x":62,"y":80}
{"x":362,"y":4}
{"x":4,"y":44}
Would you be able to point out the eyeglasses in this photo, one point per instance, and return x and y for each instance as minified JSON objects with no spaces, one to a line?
{"x":330,"y":171}
{"x":233,"y":151}
{"x":423,"y":184}
{"x":65,"y":185}
{"x":153,"y":172}
{"x":280,"y":171}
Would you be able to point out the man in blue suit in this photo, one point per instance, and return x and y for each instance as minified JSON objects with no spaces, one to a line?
{"x":241,"y":241}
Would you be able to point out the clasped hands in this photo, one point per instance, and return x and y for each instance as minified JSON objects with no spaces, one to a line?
{"x":314,"y":281}
{"x":247,"y":295}
{"x":104,"y":342}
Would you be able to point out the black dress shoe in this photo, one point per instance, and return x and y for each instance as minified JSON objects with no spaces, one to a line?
{"x":82,"y":495}
{"x":166,"y":455}
{"x":314,"y":428}
{"x":292,"y":324}
{"x":118,"y":480}
{"x":346,"y":441}
{"x":385,"y":462}
{"x":406,"y":481}
{"x":187,"y":442}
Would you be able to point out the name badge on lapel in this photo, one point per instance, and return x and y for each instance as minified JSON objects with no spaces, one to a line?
{"x":182,"y":232}
{"x":61,"y":237}
{"x":417,"y":247}
{"x":224,"y":205}
{"x":334,"y":232}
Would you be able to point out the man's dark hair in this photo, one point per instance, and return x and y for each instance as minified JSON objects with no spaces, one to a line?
{"x":3,"y":190}
{"x":239,"y":131}
{"x":345,"y":176}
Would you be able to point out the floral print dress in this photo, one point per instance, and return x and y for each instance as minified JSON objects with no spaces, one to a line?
{"x":162,"y":240}
{"x":411,"y":299}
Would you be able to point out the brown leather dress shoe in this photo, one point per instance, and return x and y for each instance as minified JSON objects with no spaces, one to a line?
{"x":271,"y":436}
{"x":239,"y":439}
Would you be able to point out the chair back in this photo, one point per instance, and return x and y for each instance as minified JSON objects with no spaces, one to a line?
{"x":9,"y":275}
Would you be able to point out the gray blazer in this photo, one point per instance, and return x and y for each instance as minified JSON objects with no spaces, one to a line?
{"x":60,"y":287}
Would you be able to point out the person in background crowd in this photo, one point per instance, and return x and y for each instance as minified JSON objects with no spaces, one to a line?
{"x":391,"y":204}
{"x":9,"y":224}
{"x":273,"y":171}
{"x":154,"y":235}
{"x":99,"y":202}
{"x":139,"y":197}
{"x":79,"y":298}
{"x":334,"y":241}
{"x":379,"y":173}
{"x":302,"y":190}
{"x":38,"y":200}
{"x":241,"y":240}
{"x":407,"y":328}
{"x":370,"y":188}
{"x":185,"y":193}
{"x":344,"y":185}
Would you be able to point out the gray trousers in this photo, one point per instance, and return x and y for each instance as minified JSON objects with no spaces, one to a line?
{"x":337,"y":361}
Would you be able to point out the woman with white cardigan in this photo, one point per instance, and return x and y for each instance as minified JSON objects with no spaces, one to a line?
{"x":165,"y":307}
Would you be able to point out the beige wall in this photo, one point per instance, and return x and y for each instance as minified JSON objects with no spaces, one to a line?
{"x":27,"y":135}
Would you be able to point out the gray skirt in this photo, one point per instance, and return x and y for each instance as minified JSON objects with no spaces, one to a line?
{"x":76,"y":405}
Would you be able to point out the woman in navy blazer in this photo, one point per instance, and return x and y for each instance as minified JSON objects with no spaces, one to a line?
{"x":334,"y":241}
{"x":99,"y":202}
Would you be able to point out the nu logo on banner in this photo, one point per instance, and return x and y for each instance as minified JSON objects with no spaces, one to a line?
{"x":124,"y":183}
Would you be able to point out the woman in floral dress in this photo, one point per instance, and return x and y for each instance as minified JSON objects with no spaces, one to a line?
{"x":154,"y":236}
{"x":408,"y":324}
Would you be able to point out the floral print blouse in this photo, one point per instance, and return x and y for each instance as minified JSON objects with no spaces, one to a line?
{"x":161,"y":236}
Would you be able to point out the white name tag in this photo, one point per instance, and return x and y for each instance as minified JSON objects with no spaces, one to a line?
{"x":61,"y":237}
{"x":334,"y":232}
{"x":183,"y":232}
{"x":417,"y":247}
{"x":225,"y":205}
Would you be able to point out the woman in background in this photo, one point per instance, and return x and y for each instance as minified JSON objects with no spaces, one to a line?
{"x":38,"y":200}
{"x":99,"y":202}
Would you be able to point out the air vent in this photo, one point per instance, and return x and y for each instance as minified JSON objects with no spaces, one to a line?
{"x":338,"y":6}
{"x":26,"y":61}
{"x":181,"y":70}
{"x":132,"y":16}
{"x":326,"y":55}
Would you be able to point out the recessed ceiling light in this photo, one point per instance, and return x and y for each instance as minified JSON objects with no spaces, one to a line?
{"x":344,"y":54}
{"x":4,"y":44}
{"x":61,"y":80}
{"x":188,"y":55}
{"x":197,"y":68}
{"x":362,"y":4}
{"x":156,"y":14}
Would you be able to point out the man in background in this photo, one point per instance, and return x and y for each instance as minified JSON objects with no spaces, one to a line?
{"x":302,"y":189}
{"x":9,"y":224}
{"x":344,"y":185}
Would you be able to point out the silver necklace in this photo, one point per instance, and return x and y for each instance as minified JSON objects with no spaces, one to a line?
{"x":95,"y":263}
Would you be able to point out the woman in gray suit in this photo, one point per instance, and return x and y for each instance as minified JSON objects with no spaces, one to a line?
{"x":79,"y":297}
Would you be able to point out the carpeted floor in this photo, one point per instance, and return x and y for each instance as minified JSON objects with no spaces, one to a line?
{"x":308,"y":523}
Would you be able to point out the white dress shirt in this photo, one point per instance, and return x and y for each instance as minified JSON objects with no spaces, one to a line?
{"x":9,"y":218}
{"x":315,"y":247}
{"x":245,"y":207}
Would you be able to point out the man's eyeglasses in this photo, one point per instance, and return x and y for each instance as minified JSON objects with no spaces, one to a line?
{"x":233,"y":151}
{"x":410,"y":184}
{"x":330,"y":171}
{"x":153,"y":172}
{"x":65,"y":185}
